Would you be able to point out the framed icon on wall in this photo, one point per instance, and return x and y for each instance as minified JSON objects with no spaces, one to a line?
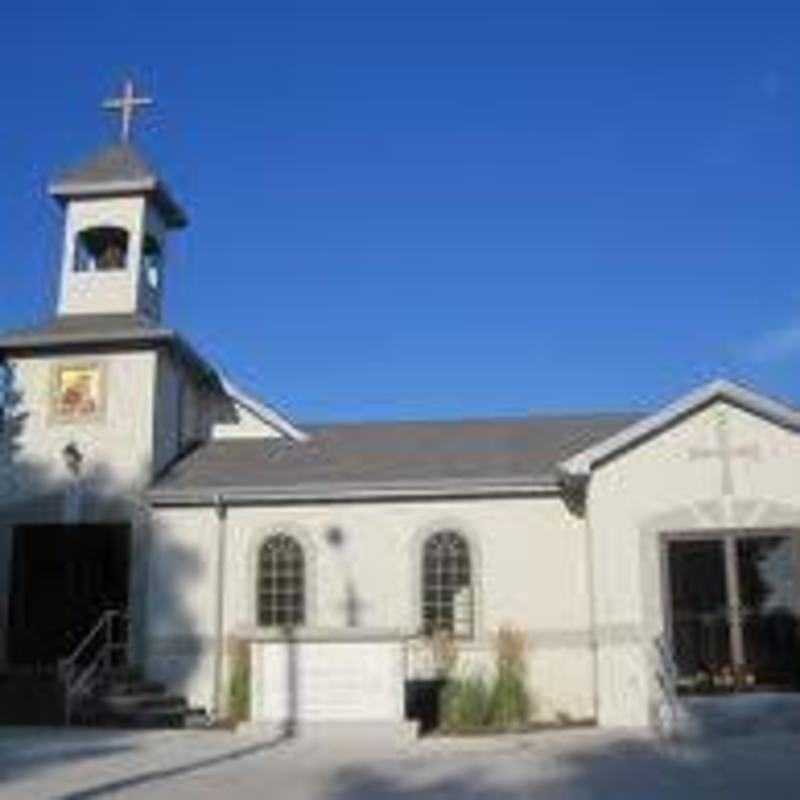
{"x":78,"y":392}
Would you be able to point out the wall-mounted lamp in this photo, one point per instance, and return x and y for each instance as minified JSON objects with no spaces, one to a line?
{"x":73,"y":458}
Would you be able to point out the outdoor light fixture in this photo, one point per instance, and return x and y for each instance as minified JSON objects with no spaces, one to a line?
{"x":73,"y":458}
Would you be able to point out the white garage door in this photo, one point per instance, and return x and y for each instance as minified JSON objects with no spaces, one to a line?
{"x":328,"y":682}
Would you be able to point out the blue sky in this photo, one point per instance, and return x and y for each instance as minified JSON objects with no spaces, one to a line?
{"x":438,"y":209}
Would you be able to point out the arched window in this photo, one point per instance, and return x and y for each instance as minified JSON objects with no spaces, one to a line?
{"x":101,"y":249}
{"x":281,"y":587}
{"x":447,"y":600}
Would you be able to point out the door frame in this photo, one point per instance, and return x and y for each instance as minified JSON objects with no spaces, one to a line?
{"x":124,"y":528}
{"x":728,"y":537}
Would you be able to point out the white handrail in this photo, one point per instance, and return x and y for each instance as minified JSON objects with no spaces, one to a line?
{"x":667,"y":674}
{"x":101,"y":623}
{"x":80,"y":682}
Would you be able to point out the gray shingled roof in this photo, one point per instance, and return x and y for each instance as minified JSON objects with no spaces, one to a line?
{"x":74,"y":331}
{"x":73,"y":327}
{"x":79,"y":332}
{"x":119,"y":162}
{"x":365,"y":457}
{"x":117,"y":169}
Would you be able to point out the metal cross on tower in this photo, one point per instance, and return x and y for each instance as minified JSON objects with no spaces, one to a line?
{"x":127,"y":105}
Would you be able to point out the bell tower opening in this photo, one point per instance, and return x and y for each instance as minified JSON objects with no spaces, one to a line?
{"x":101,"y":249}
{"x":152,"y":262}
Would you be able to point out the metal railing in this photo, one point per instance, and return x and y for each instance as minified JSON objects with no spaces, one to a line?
{"x":669,"y":714}
{"x":93,"y":660}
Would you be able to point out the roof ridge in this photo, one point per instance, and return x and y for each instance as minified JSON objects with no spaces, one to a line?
{"x":500,"y":420}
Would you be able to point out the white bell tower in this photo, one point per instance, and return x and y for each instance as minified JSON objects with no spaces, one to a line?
{"x":118,"y":214}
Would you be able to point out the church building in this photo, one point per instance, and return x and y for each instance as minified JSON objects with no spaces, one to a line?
{"x":643,"y":556}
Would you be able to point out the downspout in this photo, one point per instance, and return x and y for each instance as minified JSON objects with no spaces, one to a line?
{"x":581,"y":485}
{"x":219,"y":656}
{"x":594,"y":644}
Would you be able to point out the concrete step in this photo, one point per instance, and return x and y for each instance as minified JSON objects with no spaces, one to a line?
{"x":118,"y":687}
{"x":132,"y":702}
{"x":128,"y":701}
{"x":139,"y":718}
{"x":127,"y":674}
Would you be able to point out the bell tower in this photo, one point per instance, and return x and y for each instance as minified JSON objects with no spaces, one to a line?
{"x":118,"y":216}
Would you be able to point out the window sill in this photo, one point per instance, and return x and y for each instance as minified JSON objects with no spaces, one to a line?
{"x":309,"y":634}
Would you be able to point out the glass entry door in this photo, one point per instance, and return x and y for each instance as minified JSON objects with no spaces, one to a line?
{"x":733,"y":611}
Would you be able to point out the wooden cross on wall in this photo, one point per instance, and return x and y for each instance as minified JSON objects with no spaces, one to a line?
{"x":725,"y":453}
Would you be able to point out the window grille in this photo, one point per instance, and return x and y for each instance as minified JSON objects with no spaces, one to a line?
{"x":281,"y":582}
{"x":447,"y":598}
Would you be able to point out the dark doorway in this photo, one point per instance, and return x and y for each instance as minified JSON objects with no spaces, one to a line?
{"x":64,"y":577}
{"x":734,"y":611}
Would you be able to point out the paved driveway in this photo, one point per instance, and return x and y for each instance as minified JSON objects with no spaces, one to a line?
{"x":579,"y":765}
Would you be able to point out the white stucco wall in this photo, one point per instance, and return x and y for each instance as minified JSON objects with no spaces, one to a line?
{"x":166,"y":424}
{"x":116,"y":443}
{"x":663,"y":486}
{"x":185,"y":410}
{"x":182,"y":601}
{"x":529,"y":572}
{"x":134,"y":435}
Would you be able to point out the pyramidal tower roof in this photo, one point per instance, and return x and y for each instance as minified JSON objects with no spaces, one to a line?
{"x":117,"y":170}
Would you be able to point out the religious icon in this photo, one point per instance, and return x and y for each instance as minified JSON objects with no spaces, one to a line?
{"x":78,"y":392}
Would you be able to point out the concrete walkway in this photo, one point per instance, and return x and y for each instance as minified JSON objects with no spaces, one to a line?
{"x":576,"y":765}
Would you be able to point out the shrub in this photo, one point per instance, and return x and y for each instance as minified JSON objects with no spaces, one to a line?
{"x":468,"y":704}
{"x":464,"y":704}
{"x":239,"y":682}
{"x":509,"y":704}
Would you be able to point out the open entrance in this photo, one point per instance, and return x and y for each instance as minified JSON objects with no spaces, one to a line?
{"x":734,"y":610}
{"x":63,"y":578}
